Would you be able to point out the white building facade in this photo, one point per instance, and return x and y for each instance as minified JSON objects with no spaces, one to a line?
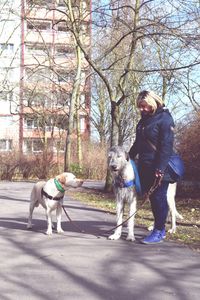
{"x":37,"y":70}
{"x":10,"y":43}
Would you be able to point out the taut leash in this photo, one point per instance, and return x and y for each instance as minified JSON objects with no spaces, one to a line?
{"x":155,"y":185}
{"x":121,"y":224}
{"x":146,"y":197}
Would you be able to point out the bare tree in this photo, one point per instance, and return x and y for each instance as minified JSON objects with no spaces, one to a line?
{"x":138,"y":44}
{"x":141,"y":27}
{"x":144,"y":28}
{"x":76,"y":28}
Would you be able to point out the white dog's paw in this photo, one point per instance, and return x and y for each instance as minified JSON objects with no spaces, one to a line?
{"x":130,"y":238}
{"x":114,"y":236}
{"x":150,"y":228}
{"x":29,"y":226}
{"x":49,"y":231}
{"x":60,"y":230}
{"x":172,"y":230}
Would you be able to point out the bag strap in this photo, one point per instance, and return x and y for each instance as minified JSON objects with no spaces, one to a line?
{"x":151,"y":144}
{"x":148,"y":141}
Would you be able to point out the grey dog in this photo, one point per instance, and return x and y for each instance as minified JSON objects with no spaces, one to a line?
{"x":123,"y":184}
{"x":122,"y":174}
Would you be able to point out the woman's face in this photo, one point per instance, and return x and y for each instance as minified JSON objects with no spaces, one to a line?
{"x":145,"y":108}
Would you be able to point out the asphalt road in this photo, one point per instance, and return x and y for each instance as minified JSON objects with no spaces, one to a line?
{"x":77,"y":265}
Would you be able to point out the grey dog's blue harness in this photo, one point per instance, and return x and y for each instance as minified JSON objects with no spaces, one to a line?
{"x":120,"y":182}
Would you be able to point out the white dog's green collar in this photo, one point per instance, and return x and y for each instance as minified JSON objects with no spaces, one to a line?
{"x":59,"y":186}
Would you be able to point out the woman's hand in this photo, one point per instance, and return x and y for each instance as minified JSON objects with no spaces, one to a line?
{"x":159,"y":176}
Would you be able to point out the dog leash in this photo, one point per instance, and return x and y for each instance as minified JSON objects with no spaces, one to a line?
{"x":121,"y":224}
{"x":154,"y":186}
{"x":73,"y":223}
{"x":146,"y":197}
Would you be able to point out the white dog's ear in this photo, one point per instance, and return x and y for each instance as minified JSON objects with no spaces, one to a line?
{"x":61,"y":178}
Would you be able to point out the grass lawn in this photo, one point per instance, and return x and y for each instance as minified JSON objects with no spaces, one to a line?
{"x":188,"y":229}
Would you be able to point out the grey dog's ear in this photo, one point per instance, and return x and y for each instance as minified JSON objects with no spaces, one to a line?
{"x":127,"y":156}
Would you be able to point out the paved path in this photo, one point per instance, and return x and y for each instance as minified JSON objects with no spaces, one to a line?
{"x":80,"y":266}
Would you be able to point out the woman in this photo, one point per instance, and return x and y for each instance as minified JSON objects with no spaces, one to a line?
{"x":154,"y":147}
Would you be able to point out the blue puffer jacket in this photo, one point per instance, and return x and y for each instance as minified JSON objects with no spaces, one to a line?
{"x":154,"y":140}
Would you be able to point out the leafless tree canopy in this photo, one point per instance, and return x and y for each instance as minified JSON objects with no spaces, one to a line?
{"x":128,"y":44}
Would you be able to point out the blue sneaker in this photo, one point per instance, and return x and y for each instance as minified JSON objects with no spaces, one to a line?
{"x":156,"y":236}
{"x":163,"y":232}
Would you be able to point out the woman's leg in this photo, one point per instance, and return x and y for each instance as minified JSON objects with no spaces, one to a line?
{"x":146,"y":177}
{"x":159,"y":205}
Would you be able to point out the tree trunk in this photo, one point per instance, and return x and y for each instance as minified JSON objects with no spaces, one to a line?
{"x":67,"y":157}
{"x":74,"y":101}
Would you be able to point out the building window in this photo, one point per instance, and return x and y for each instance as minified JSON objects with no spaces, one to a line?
{"x":85,"y":28}
{"x":6,"y":121}
{"x":61,"y":122}
{"x":63,"y":101}
{"x":7,"y":73}
{"x":38,"y":26}
{"x":6,"y":95}
{"x":58,"y":146}
{"x":63,"y":51}
{"x":82,"y":124}
{"x":6,"y":145}
{"x":30,"y":123}
{"x":39,"y":2}
{"x":40,"y":75}
{"x":61,"y":98}
{"x":65,"y":77}
{"x":38,"y":49}
{"x":6,"y":48}
{"x":83,"y":77}
{"x":35,"y":99}
{"x":61,"y":2}
{"x":82,"y":100}
{"x":37,"y":145}
{"x":33,"y":145}
{"x":62,"y":26}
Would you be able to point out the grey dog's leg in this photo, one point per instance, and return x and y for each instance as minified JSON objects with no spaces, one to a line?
{"x":120,"y":207}
{"x":132,"y":210}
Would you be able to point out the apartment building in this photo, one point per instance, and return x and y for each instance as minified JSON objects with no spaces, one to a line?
{"x":38,"y":64}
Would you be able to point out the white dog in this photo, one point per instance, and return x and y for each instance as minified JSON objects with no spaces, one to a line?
{"x":50,"y":195}
{"x":123,"y":184}
{"x":171,"y":193}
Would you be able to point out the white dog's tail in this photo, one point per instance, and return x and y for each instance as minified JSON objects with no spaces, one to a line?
{"x":179,"y":216}
{"x":36,"y":193}
{"x":34,"y":196}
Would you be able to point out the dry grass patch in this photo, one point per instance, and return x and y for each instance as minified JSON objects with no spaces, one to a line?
{"x":188,"y":229}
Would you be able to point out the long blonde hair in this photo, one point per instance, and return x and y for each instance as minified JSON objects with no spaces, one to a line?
{"x":151,"y":99}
